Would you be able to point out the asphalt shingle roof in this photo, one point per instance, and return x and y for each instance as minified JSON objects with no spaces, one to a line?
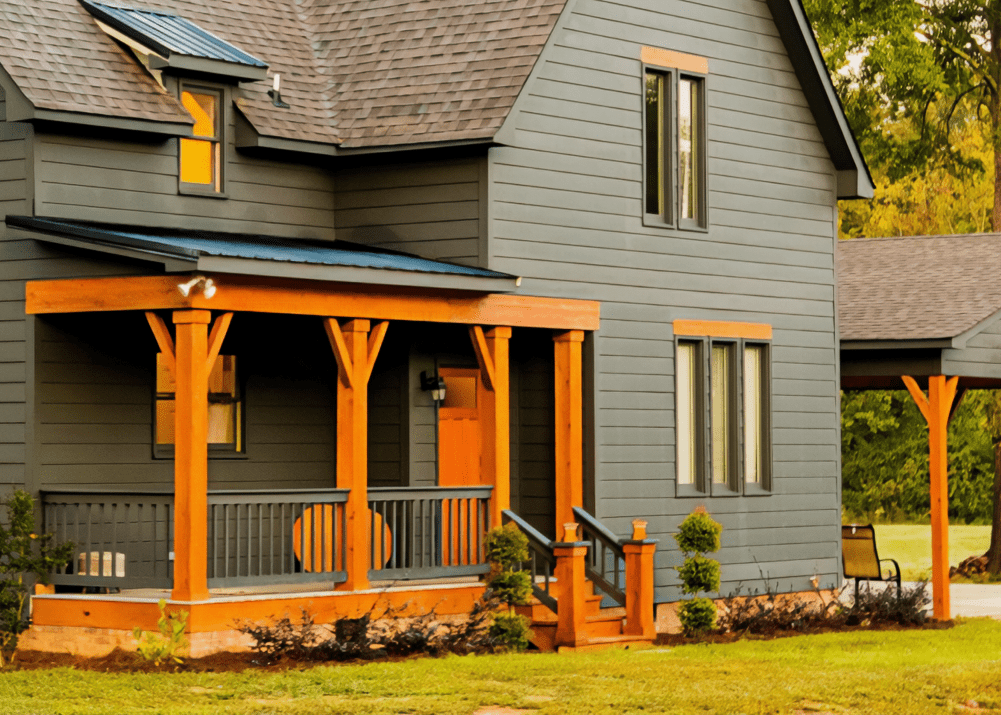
{"x":355,"y":72}
{"x":917,"y":287}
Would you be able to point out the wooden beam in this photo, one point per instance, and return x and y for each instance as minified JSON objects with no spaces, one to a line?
{"x":375,"y":340}
{"x":569,"y":419}
{"x":345,"y":364}
{"x":936,"y":408}
{"x":216,"y":338}
{"x":236,"y":293}
{"x":191,"y":410}
{"x":482,"y":356}
{"x":163,"y":339}
{"x":723,"y":329}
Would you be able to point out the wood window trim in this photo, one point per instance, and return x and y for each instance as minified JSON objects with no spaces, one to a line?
{"x":215,"y":189}
{"x":676,"y":66}
{"x":740,"y":336}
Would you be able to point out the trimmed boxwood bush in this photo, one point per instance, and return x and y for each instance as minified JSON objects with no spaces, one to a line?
{"x":698,"y":534}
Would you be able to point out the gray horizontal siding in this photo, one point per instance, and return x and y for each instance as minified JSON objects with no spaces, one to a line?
{"x":433,"y":209}
{"x":565,"y":213}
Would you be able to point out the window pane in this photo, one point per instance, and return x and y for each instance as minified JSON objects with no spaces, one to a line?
{"x":753,"y":390}
{"x":224,"y":405}
{"x":654,"y":143}
{"x":200,"y":158}
{"x":202,"y":108}
{"x":687,"y":416}
{"x":689,"y":124}
{"x":720,"y":388}
{"x":197,"y":165}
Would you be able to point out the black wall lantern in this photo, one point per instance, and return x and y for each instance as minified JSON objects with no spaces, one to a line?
{"x":435,"y":384}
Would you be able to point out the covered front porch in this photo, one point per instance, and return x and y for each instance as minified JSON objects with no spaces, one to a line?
{"x":229,"y":553}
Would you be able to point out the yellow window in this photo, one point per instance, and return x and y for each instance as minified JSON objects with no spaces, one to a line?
{"x":200,"y":158}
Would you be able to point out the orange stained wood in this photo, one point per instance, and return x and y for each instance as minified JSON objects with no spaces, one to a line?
{"x":356,"y":352}
{"x":459,"y":428}
{"x":936,"y":408}
{"x":219,"y":615}
{"x":723,"y":329}
{"x":495,"y":427}
{"x":571,"y":624}
{"x":191,"y":456}
{"x":163,"y":339}
{"x":674,"y":60}
{"x":639,"y":554}
{"x":569,"y":415}
{"x":299,"y":297}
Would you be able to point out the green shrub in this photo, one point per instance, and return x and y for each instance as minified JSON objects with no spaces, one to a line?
{"x":510,"y":630}
{"x":506,"y":547}
{"x":168,"y":644}
{"x":697,"y":616}
{"x":22,"y":553}
{"x":699,"y":574}
{"x":698,"y":533}
{"x":513,"y":588}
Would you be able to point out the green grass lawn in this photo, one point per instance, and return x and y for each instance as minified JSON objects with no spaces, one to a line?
{"x":911,"y":546}
{"x":911,"y":672}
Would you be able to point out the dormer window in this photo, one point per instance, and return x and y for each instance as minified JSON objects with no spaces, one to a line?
{"x":201,"y":156}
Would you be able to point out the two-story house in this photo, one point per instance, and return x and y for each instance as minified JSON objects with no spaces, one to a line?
{"x":300,"y":298}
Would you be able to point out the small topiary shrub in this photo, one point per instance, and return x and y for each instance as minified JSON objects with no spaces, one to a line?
{"x":506,"y":547}
{"x":513,"y":588}
{"x":510,"y":629}
{"x":698,"y":534}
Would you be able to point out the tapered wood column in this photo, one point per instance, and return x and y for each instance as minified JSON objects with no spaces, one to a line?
{"x":355,"y":351}
{"x":492,"y":353}
{"x":936,"y":408}
{"x":569,"y":425}
{"x":191,"y":410}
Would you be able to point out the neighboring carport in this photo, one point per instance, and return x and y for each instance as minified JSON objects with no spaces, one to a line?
{"x":923,"y":312}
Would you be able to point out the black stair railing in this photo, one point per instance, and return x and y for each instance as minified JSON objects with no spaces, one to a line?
{"x":605,"y":566}
{"x":541,"y":561}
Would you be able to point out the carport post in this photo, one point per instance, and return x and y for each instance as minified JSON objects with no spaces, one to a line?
{"x":936,"y":408}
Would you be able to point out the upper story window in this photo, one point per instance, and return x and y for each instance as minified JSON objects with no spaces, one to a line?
{"x":674,"y":139}
{"x":201,"y":156}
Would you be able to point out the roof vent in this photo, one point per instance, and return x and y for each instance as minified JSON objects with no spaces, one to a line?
{"x":174,"y":43}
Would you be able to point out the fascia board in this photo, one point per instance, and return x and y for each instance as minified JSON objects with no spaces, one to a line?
{"x":187,"y":64}
{"x":355,"y":274}
{"x":141,"y":126}
{"x":808,"y":63}
{"x":931,"y":344}
{"x":247,"y":137}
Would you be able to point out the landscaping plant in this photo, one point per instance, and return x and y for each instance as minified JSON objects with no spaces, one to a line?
{"x":168,"y":644}
{"x":23,"y":553}
{"x":507,"y":549}
{"x":697,"y":535}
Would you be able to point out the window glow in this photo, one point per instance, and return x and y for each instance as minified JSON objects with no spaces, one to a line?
{"x":721,"y":412}
{"x":200,"y":157}
{"x":687,"y":415}
{"x":753,"y":434}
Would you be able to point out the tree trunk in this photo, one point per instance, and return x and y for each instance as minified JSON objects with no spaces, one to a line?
{"x":994,"y":552}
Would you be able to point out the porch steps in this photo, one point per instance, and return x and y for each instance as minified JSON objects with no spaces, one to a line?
{"x":604,"y":626}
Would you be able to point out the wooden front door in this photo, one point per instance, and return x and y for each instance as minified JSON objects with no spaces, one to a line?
{"x":459,"y":428}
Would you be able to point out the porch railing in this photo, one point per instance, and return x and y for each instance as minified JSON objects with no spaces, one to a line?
{"x":428,"y":532}
{"x":541,"y":561}
{"x":259,"y":537}
{"x":606,"y":561}
{"x":121,"y":540}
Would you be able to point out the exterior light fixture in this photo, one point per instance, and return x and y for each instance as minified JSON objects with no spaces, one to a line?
{"x":435,"y":384}
{"x":208,"y":286}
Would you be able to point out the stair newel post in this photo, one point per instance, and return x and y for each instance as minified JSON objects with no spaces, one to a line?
{"x":571,"y":627}
{"x":639,"y":551}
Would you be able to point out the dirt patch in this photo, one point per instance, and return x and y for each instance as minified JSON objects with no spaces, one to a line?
{"x":120,"y":661}
{"x":676,"y":639}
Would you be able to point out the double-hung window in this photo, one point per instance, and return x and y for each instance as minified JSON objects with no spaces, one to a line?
{"x":201,"y":155}
{"x":722,"y":403}
{"x":674,"y":128}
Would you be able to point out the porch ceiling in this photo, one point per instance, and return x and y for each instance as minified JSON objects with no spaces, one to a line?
{"x":256,"y":294}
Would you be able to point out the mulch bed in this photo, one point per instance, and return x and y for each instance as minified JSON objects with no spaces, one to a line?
{"x":120,"y":661}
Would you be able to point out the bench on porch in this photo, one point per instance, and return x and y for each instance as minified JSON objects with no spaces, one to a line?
{"x":860,"y":558}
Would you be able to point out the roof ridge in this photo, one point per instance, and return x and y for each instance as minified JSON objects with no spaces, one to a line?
{"x":986,"y":234}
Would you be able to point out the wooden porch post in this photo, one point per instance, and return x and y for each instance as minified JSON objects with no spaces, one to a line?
{"x":355,"y":351}
{"x":191,"y":409}
{"x":571,"y":556}
{"x":936,"y":408}
{"x":569,"y":425}
{"x":492,"y":350}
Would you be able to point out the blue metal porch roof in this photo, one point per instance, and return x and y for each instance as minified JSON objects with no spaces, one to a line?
{"x":195,"y":246}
